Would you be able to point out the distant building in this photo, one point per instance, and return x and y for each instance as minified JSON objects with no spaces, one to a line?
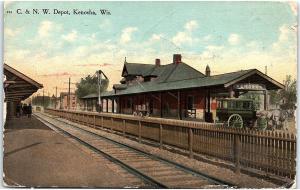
{"x":63,"y":103}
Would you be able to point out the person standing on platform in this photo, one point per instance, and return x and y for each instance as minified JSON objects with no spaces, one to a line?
{"x":18,"y":110}
{"x":24,"y":109}
{"x":29,"y":110}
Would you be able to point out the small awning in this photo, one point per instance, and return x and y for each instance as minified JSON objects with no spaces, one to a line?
{"x":17,"y":86}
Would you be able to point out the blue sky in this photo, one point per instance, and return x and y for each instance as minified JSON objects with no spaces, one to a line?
{"x":240,"y":35}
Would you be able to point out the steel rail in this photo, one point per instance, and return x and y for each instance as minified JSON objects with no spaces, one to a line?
{"x":158,"y":158}
{"x":130,"y":169}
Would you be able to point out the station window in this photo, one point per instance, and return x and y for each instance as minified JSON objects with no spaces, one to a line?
{"x":224,"y":105}
{"x":239,"y":105}
{"x":190,"y":102}
{"x":129,"y":102}
{"x":232,"y":105}
{"x":219,"y":103}
{"x":246,"y":105}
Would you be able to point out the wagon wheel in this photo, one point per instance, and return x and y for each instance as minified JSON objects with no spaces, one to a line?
{"x":135,"y":113}
{"x":235,"y":120}
{"x":147,"y":114}
{"x":141,"y":114}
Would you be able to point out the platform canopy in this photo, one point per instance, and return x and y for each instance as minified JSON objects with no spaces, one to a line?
{"x":17,"y":86}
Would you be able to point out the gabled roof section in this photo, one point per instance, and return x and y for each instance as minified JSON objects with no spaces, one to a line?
{"x":256,"y":75}
{"x":165,"y":73}
{"x":136,"y":69}
{"x":181,"y":71}
{"x":18,"y":86}
{"x":21,"y":76}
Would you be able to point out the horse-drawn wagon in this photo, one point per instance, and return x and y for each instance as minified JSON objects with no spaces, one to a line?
{"x":240,"y":113}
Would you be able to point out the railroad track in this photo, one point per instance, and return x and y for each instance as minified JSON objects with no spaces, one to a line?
{"x":155,"y":171}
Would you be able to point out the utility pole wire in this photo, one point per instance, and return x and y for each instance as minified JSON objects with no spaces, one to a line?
{"x":43,"y":99}
{"x":69,"y":93}
{"x":69,"y":97}
{"x":55,"y":97}
{"x":99,"y":76}
{"x":99,"y":89}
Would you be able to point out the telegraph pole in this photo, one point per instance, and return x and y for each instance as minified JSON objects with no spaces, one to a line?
{"x":99,"y":90}
{"x":56,"y":97}
{"x":99,"y":74}
{"x":69,"y":95}
{"x":43,"y":99}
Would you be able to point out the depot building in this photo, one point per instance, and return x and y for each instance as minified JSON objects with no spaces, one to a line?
{"x":177,"y":90}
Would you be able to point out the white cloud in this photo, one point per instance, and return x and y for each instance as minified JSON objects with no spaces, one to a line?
{"x":185,"y":36}
{"x":8,"y":32}
{"x":234,"y":39}
{"x":181,"y":38}
{"x":45,"y":27}
{"x":191,"y":25}
{"x":126,"y":34}
{"x":155,"y":37}
{"x":286,"y":38}
{"x":18,"y":55}
{"x":284,"y":33}
{"x":81,"y":51}
{"x":7,"y":3}
{"x":72,"y":36}
{"x":207,"y":38}
{"x":105,"y":24}
{"x":214,"y":48}
{"x":253,"y":45}
{"x":294,"y":7}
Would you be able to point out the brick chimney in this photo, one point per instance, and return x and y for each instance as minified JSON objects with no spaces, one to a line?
{"x":157,"y":62}
{"x":177,"y":58}
{"x":207,"y":71}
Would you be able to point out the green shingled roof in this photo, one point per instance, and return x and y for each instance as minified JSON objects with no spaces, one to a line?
{"x":119,"y":86}
{"x":176,"y":72}
{"x":89,"y":96}
{"x":173,"y":83}
{"x":164,"y":84}
{"x":95,"y":95}
{"x":137,"y":68}
{"x":165,"y":73}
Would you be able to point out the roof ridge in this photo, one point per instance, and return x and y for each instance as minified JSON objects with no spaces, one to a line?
{"x":182,"y":79}
{"x":193,"y":68}
{"x":247,"y":70}
{"x":138,"y":63}
{"x":171,"y":73}
{"x":26,"y":78}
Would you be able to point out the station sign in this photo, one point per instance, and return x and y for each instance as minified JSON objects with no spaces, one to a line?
{"x":249,"y":86}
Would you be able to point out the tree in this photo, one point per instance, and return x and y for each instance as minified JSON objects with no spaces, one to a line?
{"x":289,"y":94}
{"x":88,"y":85}
{"x":286,"y":97}
{"x":274,"y":97}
